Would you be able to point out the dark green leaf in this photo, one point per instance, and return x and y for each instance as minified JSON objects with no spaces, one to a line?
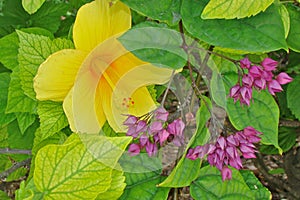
{"x":157,"y":45}
{"x":293,"y":96}
{"x":164,"y":10}
{"x":25,"y":120}
{"x":294,"y":34}
{"x":261,"y":33}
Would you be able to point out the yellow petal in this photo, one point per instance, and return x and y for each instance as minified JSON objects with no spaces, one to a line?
{"x":132,"y":85}
{"x":99,"y":20}
{"x":55,"y":76}
{"x":68,"y":109}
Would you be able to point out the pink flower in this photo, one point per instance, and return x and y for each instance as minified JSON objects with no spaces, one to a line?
{"x":151,"y":149}
{"x":155,"y":127}
{"x":260,"y":84}
{"x":134,"y":149}
{"x":247,"y":80}
{"x":235,"y":92}
{"x":283,"y":78}
{"x":226,"y":173}
{"x":274,"y":86}
{"x":246,"y":95}
{"x":141,"y":126}
{"x":143,"y":140}
{"x":267,"y":75}
{"x":255,"y":71}
{"x":269,"y":64}
{"x":176,"y":127}
{"x":245,"y":63}
{"x":161,"y":114}
{"x":130,"y":121}
{"x":163,"y":136}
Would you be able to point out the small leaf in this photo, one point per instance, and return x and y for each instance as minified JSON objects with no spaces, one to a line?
{"x":17,"y":100}
{"x":285,"y":19}
{"x":230,"y":9}
{"x":3,"y":195}
{"x":294,"y":34}
{"x":25,"y":120}
{"x":157,"y":45}
{"x":72,"y":171}
{"x":34,"y":49}
{"x":164,"y":10}
{"x":261,"y":33}
{"x":52,"y":118}
{"x":9,"y":50}
{"x":209,"y":185}
{"x":293,"y":97}
{"x":116,"y":189}
{"x":31,"y":6}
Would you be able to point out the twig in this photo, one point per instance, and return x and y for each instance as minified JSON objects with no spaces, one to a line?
{"x":15,"y":151}
{"x":13,"y":168}
{"x":289,"y":123}
{"x":167,"y":90}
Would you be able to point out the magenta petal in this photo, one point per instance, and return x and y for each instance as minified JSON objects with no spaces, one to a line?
{"x":151,"y":149}
{"x":255,"y":71}
{"x":283,"y":78}
{"x":226,"y":173}
{"x":192,"y":154}
{"x":247,"y":80}
{"x":269,"y":64}
{"x":249,"y":155}
{"x":161,"y":114}
{"x":131,"y":120}
{"x":143,"y":140}
{"x":134,"y":149}
{"x":234,"y":91}
{"x":274,"y":86}
{"x":155,"y":127}
{"x":141,"y":126}
{"x":260,"y":83}
{"x":245,"y":63}
{"x":163,"y":136}
{"x":222,"y":142}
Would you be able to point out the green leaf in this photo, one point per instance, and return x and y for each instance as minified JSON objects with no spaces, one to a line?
{"x":31,"y":6}
{"x":28,"y":192}
{"x":262,"y":114}
{"x":286,"y":138}
{"x":255,"y":185}
{"x":230,"y":9}
{"x":72,"y":171}
{"x":18,"y":174}
{"x":17,"y":100}
{"x":52,"y":118}
{"x":164,"y":10}
{"x":116,"y":189}
{"x":261,"y":33}
{"x":293,"y":97}
{"x":294,"y":34}
{"x":34,"y":49}
{"x":4,"y":83}
{"x":25,"y":120}
{"x":181,"y":176}
{"x":3,"y":195}
{"x":209,"y":185}
{"x":9,"y":51}
{"x":142,"y":175}
{"x":157,"y":45}
{"x":285,"y":19}
{"x":18,"y":140}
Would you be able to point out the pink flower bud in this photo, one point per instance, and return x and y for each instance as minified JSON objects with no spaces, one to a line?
{"x":247,"y":80}
{"x":260,"y":84}
{"x":134,"y":149}
{"x":151,"y":149}
{"x":246,"y":95}
{"x":274,"y":86}
{"x":161,"y":114}
{"x":245,"y":63}
{"x":234,"y":91}
{"x":176,"y":127}
{"x":255,"y":71}
{"x":283,"y":78}
{"x":267,"y":75}
{"x":163,"y":136}
{"x":141,"y":126}
{"x":130,"y":121}
{"x":143,"y":140}
{"x":155,"y":127}
{"x":269,"y":64}
{"x":226,"y":173}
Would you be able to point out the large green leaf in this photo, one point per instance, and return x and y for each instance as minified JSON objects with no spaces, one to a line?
{"x":34,"y":49}
{"x":52,"y":118}
{"x":157,"y":45}
{"x":72,"y":171}
{"x":262,"y":114}
{"x":9,"y":50}
{"x":261,"y":33}
{"x":209,"y":186}
{"x":294,"y":34}
{"x":230,"y":9}
{"x":187,"y":170}
{"x":164,"y":10}
{"x":293,"y":96}
{"x":31,"y":6}
{"x":255,"y":185}
{"x":117,"y":187}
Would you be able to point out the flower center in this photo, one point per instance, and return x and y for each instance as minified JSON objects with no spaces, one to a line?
{"x":127,"y":102}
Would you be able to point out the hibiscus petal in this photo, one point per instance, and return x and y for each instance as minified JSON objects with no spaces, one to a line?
{"x":97,"y":21}
{"x":67,"y":105}
{"x":55,"y":76}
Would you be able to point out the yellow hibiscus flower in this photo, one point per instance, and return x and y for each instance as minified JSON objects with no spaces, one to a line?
{"x":99,"y":80}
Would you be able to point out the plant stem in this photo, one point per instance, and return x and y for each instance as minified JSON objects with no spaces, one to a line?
{"x":15,"y":151}
{"x":13,"y":168}
{"x":167,"y":90}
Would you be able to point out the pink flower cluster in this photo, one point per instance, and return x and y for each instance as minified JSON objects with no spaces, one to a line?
{"x":228,"y":151}
{"x":153,"y":132}
{"x":259,"y":77}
